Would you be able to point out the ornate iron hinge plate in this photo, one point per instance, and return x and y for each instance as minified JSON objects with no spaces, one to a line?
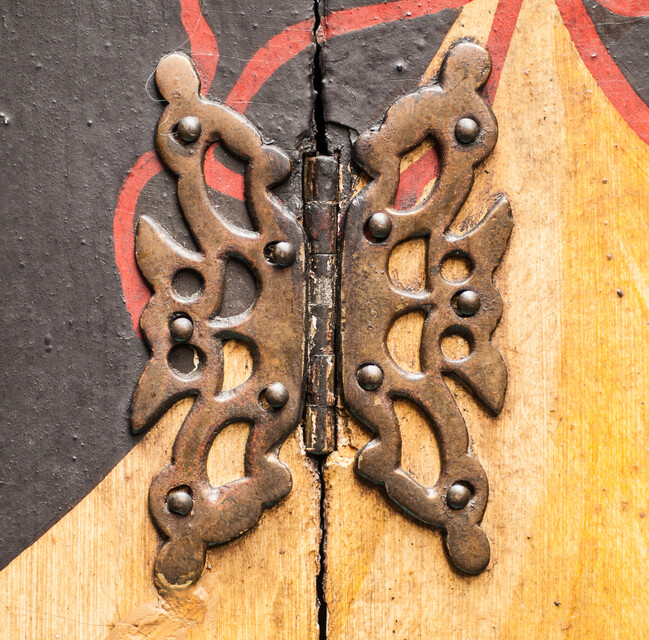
{"x":186,"y":333}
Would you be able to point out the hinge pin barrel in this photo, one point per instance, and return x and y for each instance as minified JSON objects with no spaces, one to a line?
{"x":321,"y":225}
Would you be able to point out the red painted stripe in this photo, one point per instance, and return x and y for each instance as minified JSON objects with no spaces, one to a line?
{"x":290,"y":42}
{"x":205,"y":53}
{"x":344,"y":21}
{"x":276,"y":52}
{"x":600,"y":63}
{"x":205,"y":50}
{"x":261,"y":66}
{"x":500,"y":37}
{"x":628,"y":8}
{"x":136,"y":292}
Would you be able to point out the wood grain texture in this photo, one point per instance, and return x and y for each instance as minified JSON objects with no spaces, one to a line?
{"x":567,"y":460}
{"x":90,"y":576}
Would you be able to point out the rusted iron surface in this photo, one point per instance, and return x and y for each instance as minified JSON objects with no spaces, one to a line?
{"x":189,"y":360}
{"x":371,"y":301}
{"x":321,"y":226}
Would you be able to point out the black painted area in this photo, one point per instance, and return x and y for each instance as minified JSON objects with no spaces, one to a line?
{"x":627,"y":40}
{"x":365,"y":71}
{"x":80,"y":108}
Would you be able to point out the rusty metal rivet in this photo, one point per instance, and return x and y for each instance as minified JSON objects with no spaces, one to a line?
{"x":380,"y":225}
{"x":467,"y":303}
{"x":181,"y":328}
{"x":180,"y":502}
{"x":276,"y":395}
{"x":370,"y":377}
{"x":458,"y":496}
{"x":466,"y":130}
{"x":189,"y":128}
{"x":283,"y":254}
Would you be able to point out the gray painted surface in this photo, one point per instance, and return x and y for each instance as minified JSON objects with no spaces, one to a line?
{"x":81,"y":109}
{"x":366,"y":71}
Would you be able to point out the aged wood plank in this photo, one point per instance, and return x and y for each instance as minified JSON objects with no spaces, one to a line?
{"x":90,"y":576}
{"x":568,"y":458}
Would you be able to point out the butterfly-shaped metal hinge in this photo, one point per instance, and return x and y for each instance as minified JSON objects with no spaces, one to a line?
{"x":186,"y":333}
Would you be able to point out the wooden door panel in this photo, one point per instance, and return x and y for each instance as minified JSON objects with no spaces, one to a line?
{"x":566,"y":459}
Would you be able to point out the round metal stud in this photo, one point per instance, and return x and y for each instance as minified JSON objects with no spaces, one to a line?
{"x":380,"y":225}
{"x":458,"y":496}
{"x":189,"y":129}
{"x":283,"y":254}
{"x":181,"y":328}
{"x":467,"y":303}
{"x":276,"y":395}
{"x":370,"y":377}
{"x":180,"y":502}
{"x":466,"y":130}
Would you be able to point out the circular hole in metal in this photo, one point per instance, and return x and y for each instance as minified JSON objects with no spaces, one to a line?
{"x":263,"y":403}
{"x":456,"y":267}
{"x":456,"y":344}
{"x":185,"y":360}
{"x":187,"y":284}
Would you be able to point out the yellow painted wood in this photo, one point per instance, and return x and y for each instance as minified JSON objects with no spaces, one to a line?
{"x":90,"y":577}
{"x":568,"y":459}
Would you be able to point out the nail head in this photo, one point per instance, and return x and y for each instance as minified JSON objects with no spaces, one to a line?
{"x":283,"y":254}
{"x":370,"y":377}
{"x":180,"y":502}
{"x":189,"y":129}
{"x":467,"y":303}
{"x":181,"y":328}
{"x":276,"y":395}
{"x":466,"y":130}
{"x":380,"y":225}
{"x":458,"y":496}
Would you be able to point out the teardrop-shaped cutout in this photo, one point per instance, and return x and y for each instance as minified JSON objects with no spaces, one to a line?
{"x":224,"y":176}
{"x":404,"y":340}
{"x":418,"y":174}
{"x":419,"y":451}
{"x":237,"y":364}
{"x":407,"y":264}
{"x":239,"y":289}
{"x":225,"y":461}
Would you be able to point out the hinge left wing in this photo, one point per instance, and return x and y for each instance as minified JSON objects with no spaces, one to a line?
{"x":186,"y":334}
